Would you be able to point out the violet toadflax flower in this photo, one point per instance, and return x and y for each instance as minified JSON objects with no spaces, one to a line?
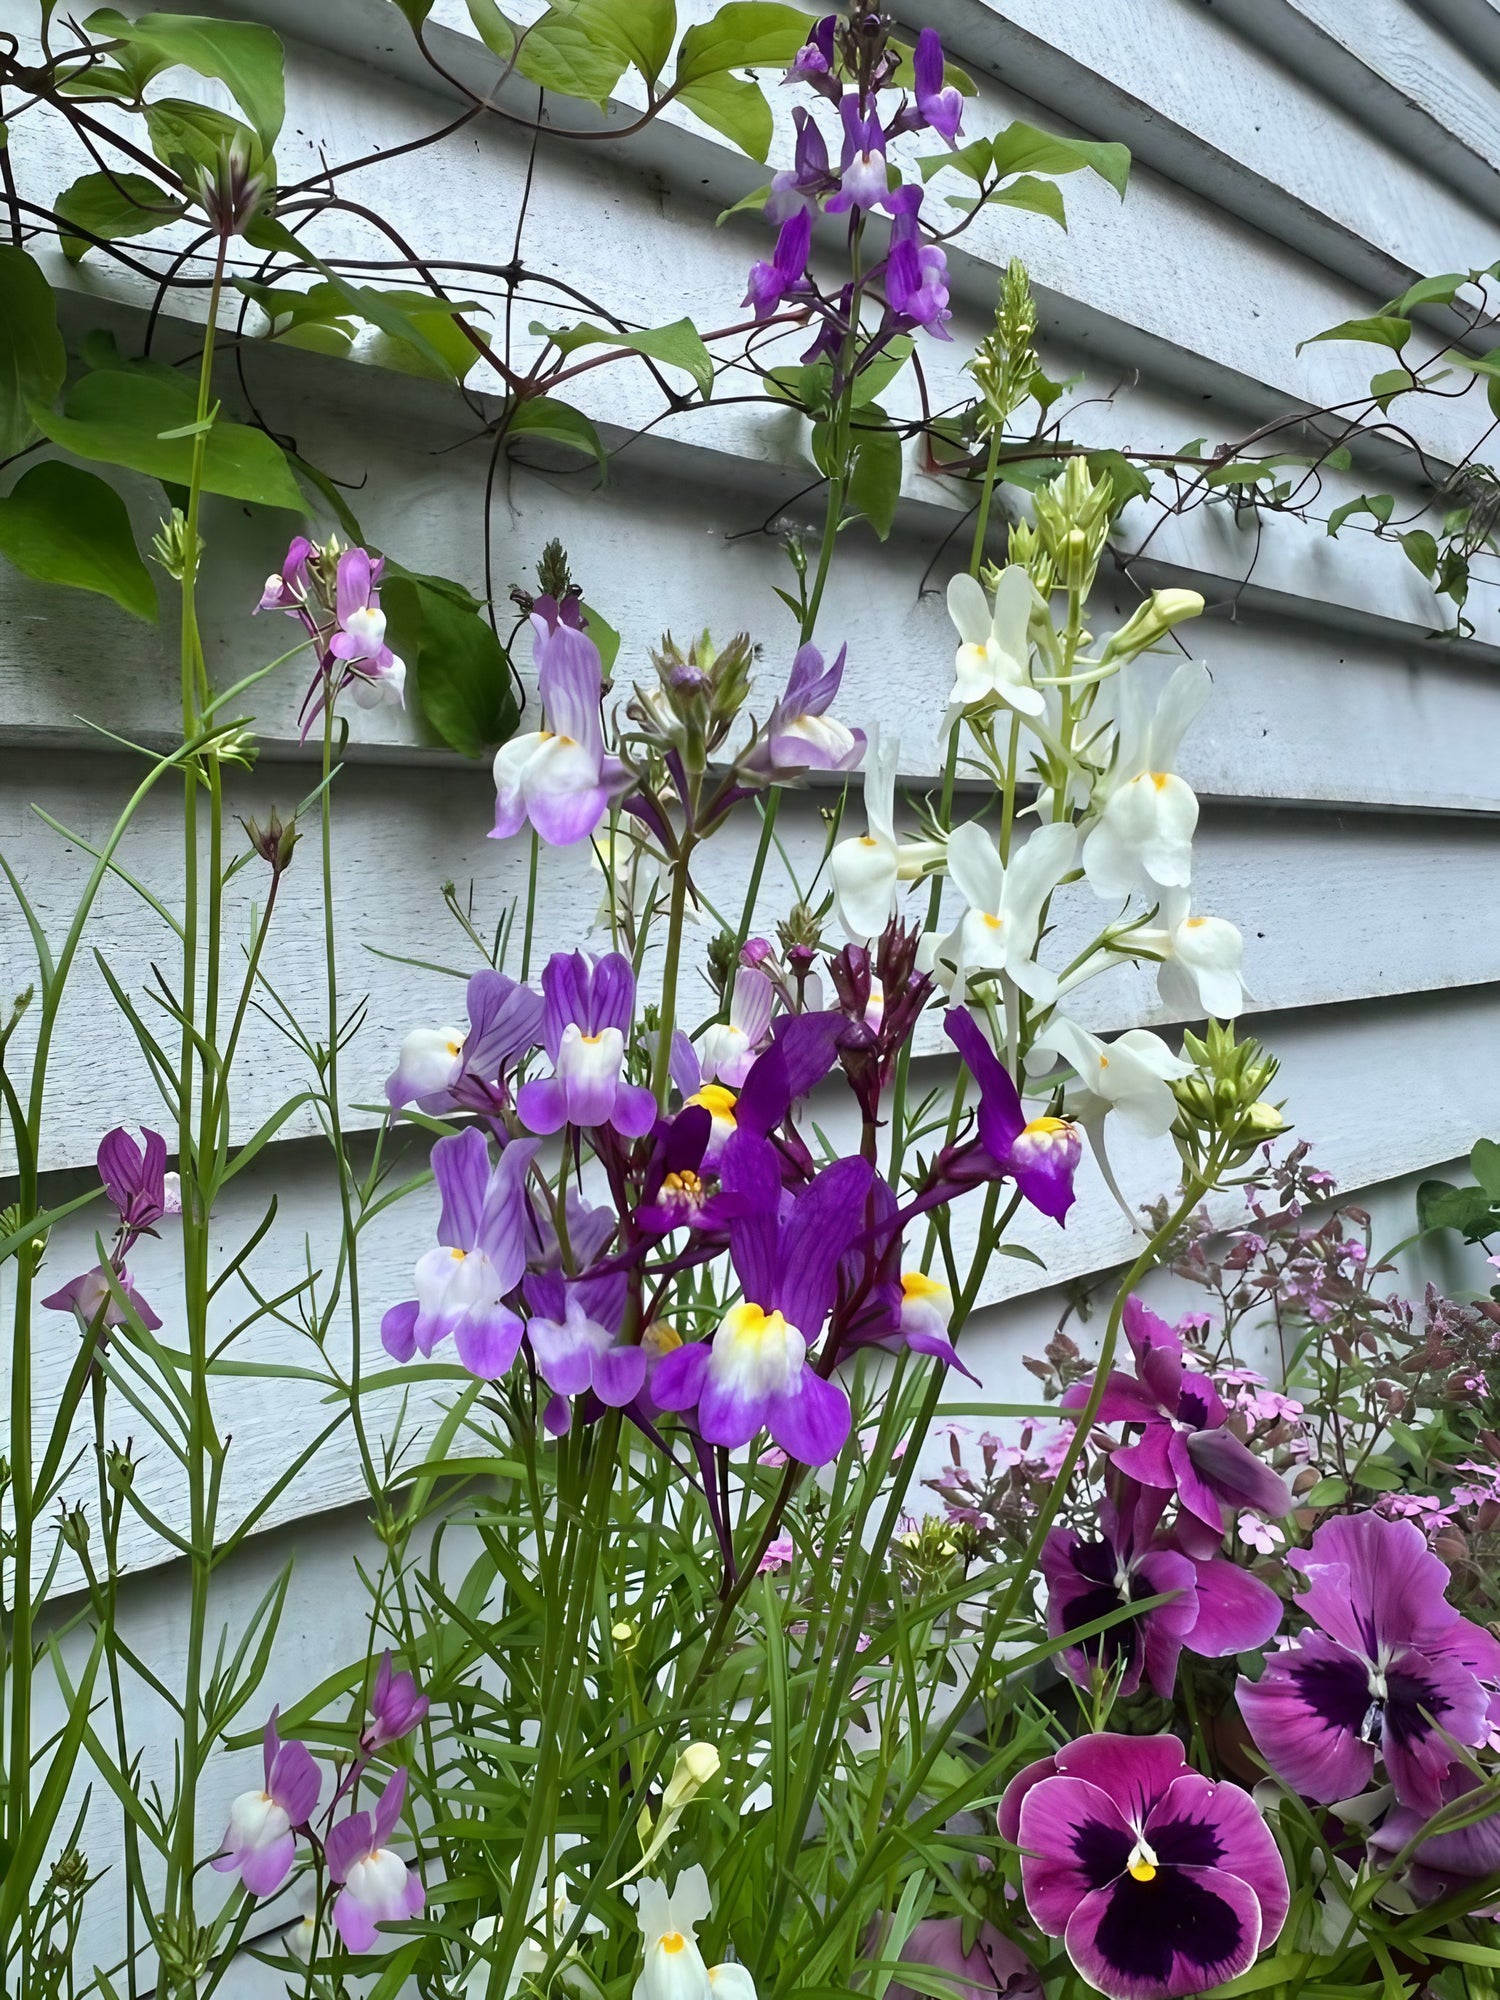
{"x":800,"y":734}
{"x":1160,"y":1882}
{"x":574,"y":1333}
{"x":396,"y":1707}
{"x":455,"y":1069}
{"x":1388,"y":1666}
{"x":864,"y":181}
{"x":942,"y":106}
{"x":142,"y":1191}
{"x":260,"y":1841}
{"x":376,"y":1886}
{"x":373,"y":672}
{"x":916,"y":273}
{"x":481,"y":1254}
{"x":784,"y":274}
{"x":559,"y":777}
{"x":1039,"y":1154}
{"x":585,"y":1022}
{"x":799,"y":190}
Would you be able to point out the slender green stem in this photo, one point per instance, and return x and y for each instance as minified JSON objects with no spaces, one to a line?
{"x":676,"y":916}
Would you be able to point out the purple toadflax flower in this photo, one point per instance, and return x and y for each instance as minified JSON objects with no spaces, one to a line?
{"x":784,"y":274}
{"x":260,"y":1841}
{"x":799,"y":190}
{"x":1184,"y":1446}
{"x":813,"y":62}
{"x":376,"y":1886}
{"x":1216,"y":1608}
{"x":727,"y":1049}
{"x":481,"y":1254}
{"x":864,"y":182}
{"x":142,"y":1191}
{"x":585,"y":1023}
{"x":800,"y":734}
{"x":1391,"y":1667}
{"x":453,"y":1069}
{"x":1039,"y":1154}
{"x":916,"y":273}
{"x":559,"y":777}
{"x":942,"y":107}
{"x":675,"y":1190}
{"x":755,"y":1375}
{"x":335,"y":595}
{"x":1159,"y":1881}
{"x":574,"y":1332}
{"x":396,"y":1707}
{"x":992,"y":1965}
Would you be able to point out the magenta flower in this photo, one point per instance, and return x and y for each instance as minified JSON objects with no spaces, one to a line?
{"x":558,"y":777}
{"x":943,"y":108}
{"x":373,"y":673}
{"x":992,"y":1965}
{"x":377,"y":1887}
{"x":481,"y":1254}
{"x":290,"y":588}
{"x":801,"y":735}
{"x":1216,"y":1608}
{"x":453,"y":1069}
{"x":799,"y":190}
{"x":260,"y":1841}
{"x":396,"y":1707}
{"x":585,"y":1022}
{"x":1160,"y":1882}
{"x":755,"y":1375}
{"x":1448,"y":1863}
{"x":1040,"y":1155}
{"x":785,"y":274}
{"x":916,"y":273}
{"x":1184,"y":1447}
{"x":678,"y":1190}
{"x":574,"y":1333}
{"x":1391,"y":1668}
{"x":92,"y":1302}
{"x":136,"y":1181}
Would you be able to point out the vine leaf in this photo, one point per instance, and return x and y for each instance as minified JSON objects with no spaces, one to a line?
{"x":33,"y":360}
{"x":679,"y":345}
{"x":875,"y":478}
{"x":1026,"y":149}
{"x":63,"y":525}
{"x":545,"y":417}
{"x":464,"y":685}
{"x":746,"y":34}
{"x":243,"y":55}
{"x":1381,"y":330}
{"x":491,"y":26}
{"x":112,"y":206}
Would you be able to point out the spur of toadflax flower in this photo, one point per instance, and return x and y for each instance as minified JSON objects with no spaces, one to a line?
{"x":1387,"y":1667}
{"x":573,"y":1328}
{"x":754,"y":1374}
{"x":260,"y":1841}
{"x":375,"y":1884}
{"x":1143,"y":838}
{"x":559,"y":777}
{"x":800,"y":735}
{"x":993,"y":662}
{"x":1214,"y":1607}
{"x":480,"y":1256}
{"x":1184,"y":1447}
{"x":1040,"y":1155}
{"x":455,"y":1069}
{"x":1160,"y":1882}
{"x":586,"y":1019}
{"x":1000,"y":930}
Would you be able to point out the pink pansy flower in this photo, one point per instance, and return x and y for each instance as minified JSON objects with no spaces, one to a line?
{"x":376,"y":1885}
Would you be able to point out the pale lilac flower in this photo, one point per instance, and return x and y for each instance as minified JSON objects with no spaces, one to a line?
{"x":863,"y":179}
{"x":376,"y":1886}
{"x":800,"y":734}
{"x":260,"y":1841}
{"x":396,"y":1707}
{"x":374,"y":673}
{"x":574,"y":1331}
{"x":1259,"y":1535}
{"x":456,"y":1069}
{"x":559,"y":777}
{"x":727,"y":1049}
{"x":778,"y":1554}
{"x":585,"y":1024}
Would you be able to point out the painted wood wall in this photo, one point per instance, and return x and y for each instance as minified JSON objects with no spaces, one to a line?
{"x":1297,"y":162}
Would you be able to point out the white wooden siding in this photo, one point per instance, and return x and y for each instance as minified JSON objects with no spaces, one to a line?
{"x":1297,"y":162}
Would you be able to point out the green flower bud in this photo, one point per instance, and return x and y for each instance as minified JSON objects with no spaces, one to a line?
{"x":1151,"y":623}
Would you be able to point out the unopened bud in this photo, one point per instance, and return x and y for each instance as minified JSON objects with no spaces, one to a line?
{"x":169,"y":545}
{"x":624,"y":1636}
{"x":233,"y":189}
{"x":552,"y":571}
{"x":274,"y":841}
{"x":696,"y":1767}
{"x":1151,"y":622}
{"x":74,"y":1528}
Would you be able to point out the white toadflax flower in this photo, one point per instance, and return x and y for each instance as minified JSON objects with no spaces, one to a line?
{"x":1130,"y":1075}
{"x":999,"y":930}
{"x":994,"y":660}
{"x":1143,"y":838}
{"x":1201,"y":959}
{"x":673,"y":1967}
{"x":867,"y":870}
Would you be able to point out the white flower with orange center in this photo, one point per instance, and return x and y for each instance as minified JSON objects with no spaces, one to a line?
{"x":1143,"y":837}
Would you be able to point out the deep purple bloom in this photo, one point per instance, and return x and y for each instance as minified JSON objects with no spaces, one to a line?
{"x":1184,"y":1446}
{"x":1159,"y":1881}
{"x":1039,"y":1154}
{"x":260,"y":1841}
{"x":813,"y":62}
{"x":1448,"y":1863}
{"x":881,"y":997}
{"x":882,"y":1305}
{"x":585,"y":1026}
{"x":135,"y":1179}
{"x":481,"y":1253}
{"x":809,"y":179}
{"x":448,"y":1069}
{"x":785,"y":274}
{"x":916,"y":273}
{"x":678,"y":1191}
{"x":801,"y":735}
{"x":943,"y":108}
{"x":559,"y":777}
{"x":574,"y":1330}
{"x":755,"y":1375}
{"x":396,"y":1707}
{"x":1391,"y":1668}
{"x":993,"y":1965}
{"x":1216,"y":1608}
{"x":863,"y":179}
{"x":377,"y":1887}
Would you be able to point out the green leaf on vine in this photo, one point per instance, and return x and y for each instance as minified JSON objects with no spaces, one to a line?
{"x":119,"y":416}
{"x":1430,"y":292}
{"x":582,"y":48}
{"x":1128,"y":480}
{"x":755,"y":200}
{"x":1421,"y":550}
{"x":1380,"y":330}
{"x":746,"y":34}
{"x":1023,"y":148}
{"x":63,"y":525}
{"x":1484,"y":1164}
{"x":190,"y":137}
{"x":416,"y":11}
{"x":419,"y":334}
{"x":315,"y":319}
{"x":735,"y":106}
{"x":241,"y":54}
{"x":1378,"y":504}
{"x":112,"y":206}
{"x":974,"y":161}
{"x":33,"y":360}
{"x":876,"y":377}
{"x":1042,"y":197}
{"x":492,"y":28}
{"x":678,"y":345}
{"x":875,"y":480}
{"x":545,"y":417}
{"x":464,"y":685}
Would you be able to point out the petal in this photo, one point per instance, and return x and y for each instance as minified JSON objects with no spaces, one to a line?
{"x":398,"y":1330}
{"x":864,"y":873}
{"x":1237,"y":1612}
{"x":1202,"y":1824}
{"x":1009,"y":1815}
{"x":1230,"y":1470}
{"x":975,"y":867}
{"x":461,"y":1168}
{"x":619,"y":1376}
{"x":1430,"y":1700}
{"x":487,"y":1340}
{"x":1188,"y":1930}
{"x":1134,"y":1770}
{"x":1179,"y":706}
{"x":542,"y":1104}
{"x":1374,"y":1582}
{"x":1073,"y":1839}
{"x":1306,"y":1713}
{"x":812,"y":1423}
{"x":969,"y":609}
{"x":634,"y":1111}
{"x":677,"y":1381}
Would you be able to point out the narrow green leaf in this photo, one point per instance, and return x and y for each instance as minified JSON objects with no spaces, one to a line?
{"x":678,"y":345}
{"x":241,"y":54}
{"x":1023,"y":148}
{"x":498,"y":36}
{"x":1380,"y":505}
{"x":545,"y":417}
{"x":1381,"y":330}
{"x":63,"y":525}
{"x":33,"y":360}
{"x":113,"y":206}
{"x":464,"y":685}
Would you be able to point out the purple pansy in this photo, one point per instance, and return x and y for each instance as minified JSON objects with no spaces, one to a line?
{"x":1039,"y":1154}
{"x":1159,"y":1881}
{"x":453,"y":1069}
{"x":1215,"y":1608}
{"x":800,"y":734}
{"x":376,"y":1886}
{"x":755,"y":1375}
{"x":942,"y":107}
{"x":1184,"y":1446}
{"x":260,"y":1841}
{"x":1448,"y":1863}
{"x":481,"y":1254}
{"x":992,"y":1965}
{"x":574,"y":1331}
{"x":864,"y":182}
{"x":1391,"y":1667}
{"x":559,"y":777}
{"x":397,"y":1705}
{"x":585,"y":1023}
{"x":784,"y":274}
